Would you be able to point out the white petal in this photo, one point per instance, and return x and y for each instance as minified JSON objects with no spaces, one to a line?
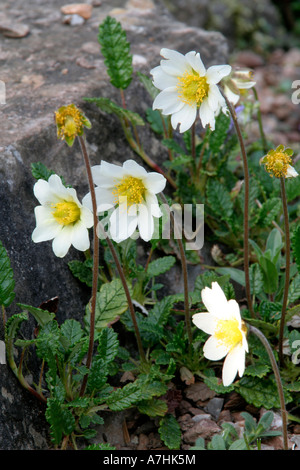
{"x":62,"y":241}
{"x":43,"y":192}
{"x":43,"y":215}
{"x":58,"y":189}
{"x":214,"y":350}
{"x":234,"y":361}
{"x":168,"y":101}
{"x":86,"y":216}
{"x":215,"y":99}
{"x":161,"y":79}
{"x":152,"y":204}
{"x":185,"y":117}
{"x":145,"y":223}
{"x":207,"y":115}
{"x":291,"y":172}
{"x":46,"y":231}
{"x":80,"y":237}
{"x":104,"y":198}
{"x":196,"y":63}
{"x":232,"y":97}
{"x":154,"y":182}
{"x":215,"y":73}
{"x":214,"y":300}
{"x":205,"y":322}
{"x":176,"y":63}
{"x":122,"y":225}
{"x":132,"y":168}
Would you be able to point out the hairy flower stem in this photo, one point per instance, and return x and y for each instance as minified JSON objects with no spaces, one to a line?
{"x":268,"y":348}
{"x":246,"y":206}
{"x":128,"y":296}
{"x":185,"y":276}
{"x":95,"y":260}
{"x":287,"y":268}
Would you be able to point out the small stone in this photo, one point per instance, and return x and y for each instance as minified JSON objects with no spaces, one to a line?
{"x":143,"y":442}
{"x":82,"y":9}
{"x":205,"y":428}
{"x":214,"y":407}
{"x":199,"y":391}
{"x":73,"y":20}
{"x":14,"y":30}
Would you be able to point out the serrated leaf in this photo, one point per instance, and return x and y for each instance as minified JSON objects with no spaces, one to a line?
{"x":81,"y":271}
{"x":154,"y":407}
{"x":72,"y":331}
{"x":217,"y":137}
{"x":7,"y":283}
{"x":170,"y":432}
{"x":294,"y":289}
{"x":268,"y":212}
{"x":260,"y":392}
{"x":13,"y":324}
{"x":122,"y":398}
{"x":40,"y":171}
{"x":108,"y":345}
{"x":41,"y":316}
{"x":110,"y":107}
{"x":111,"y":301}
{"x":61,"y":420}
{"x":219,"y":200}
{"x":256,"y":279}
{"x":116,"y":50}
{"x":160,"y":265}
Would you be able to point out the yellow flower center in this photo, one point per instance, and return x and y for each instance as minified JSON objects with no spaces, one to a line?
{"x":131,"y":188}
{"x":277,"y":163}
{"x":192,"y":88}
{"x":229,"y":333}
{"x":69,"y":121}
{"x":66,"y":213}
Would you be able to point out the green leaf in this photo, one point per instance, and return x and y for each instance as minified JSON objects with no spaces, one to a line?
{"x":82,"y":271}
{"x":72,"y":331}
{"x":154,"y":118}
{"x":170,"y":432}
{"x":217,"y":137}
{"x":154,"y":407}
{"x":7,"y":283}
{"x":116,"y":50}
{"x":218,"y":443}
{"x":256,"y":279}
{"x":13,"y":325}
{"x":260,"y":392}
{"x":219,"y":200}
{"x":111,"y":301}
{"x":148,"y":84}
{"x":122,"y":398}
{"x":294,"y":289}
{"x":236,"y":275}
{"x":110,"y":107}
{"x":295,"y":241}
{"x":160,"y":265}
{"x":108,"y":345}
{"x":268,"y":212}
{"x":41,"y":316}
{"x":61,"y":420}
{"x":40,"y":171}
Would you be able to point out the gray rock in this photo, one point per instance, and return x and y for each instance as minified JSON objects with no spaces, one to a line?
{"x":43,"y":71}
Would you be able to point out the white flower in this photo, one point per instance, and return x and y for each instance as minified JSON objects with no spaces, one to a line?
{"x":188,"y":88}
{"x":60,"y":217}
{"x":131,"y":191}
{"x":228,"y":332}
{"x":236,"y":84}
